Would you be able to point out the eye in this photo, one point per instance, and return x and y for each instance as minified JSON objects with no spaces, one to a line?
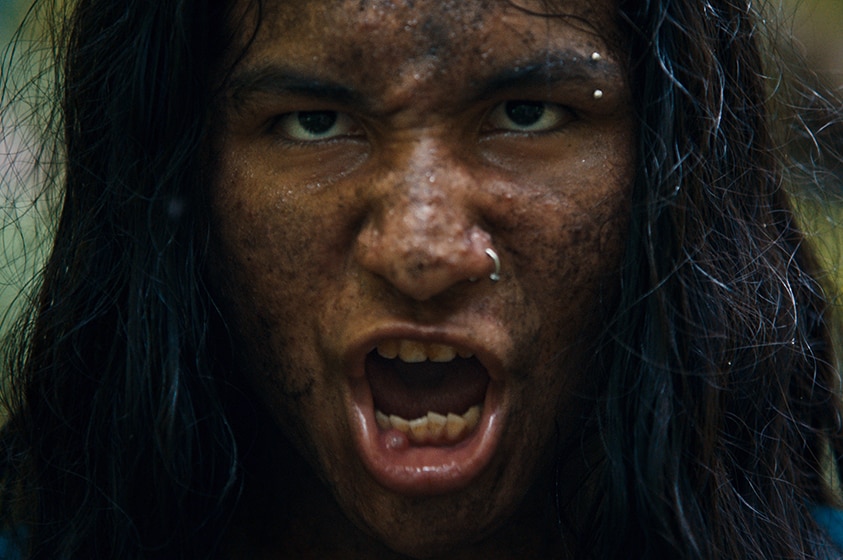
{"x":528,"y":116}
{"x":312,"y":126}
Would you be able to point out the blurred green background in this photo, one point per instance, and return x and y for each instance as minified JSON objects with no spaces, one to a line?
{"x":818,"y":27}
{"x":10,"y":13}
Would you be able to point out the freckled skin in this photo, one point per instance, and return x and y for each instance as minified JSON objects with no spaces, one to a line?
{"x":313,"y":242}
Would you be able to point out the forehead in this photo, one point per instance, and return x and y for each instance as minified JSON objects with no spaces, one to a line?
{"x":370,"y":42}
{"x":428,"y":24}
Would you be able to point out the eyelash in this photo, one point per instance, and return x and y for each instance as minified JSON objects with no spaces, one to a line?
{"x":297,"y":122}
{"x":549,"y":117}
{"x":295,"y":119}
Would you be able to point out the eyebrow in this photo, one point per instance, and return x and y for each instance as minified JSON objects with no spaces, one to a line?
{"x":569,"y":67}
{"x":545,"y":70}
{"x":278,"y":80}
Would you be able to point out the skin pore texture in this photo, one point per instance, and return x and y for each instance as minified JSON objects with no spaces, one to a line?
{"x":368,"y":153}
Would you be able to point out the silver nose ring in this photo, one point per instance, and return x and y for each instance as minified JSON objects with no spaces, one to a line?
{"x":496,"y":275}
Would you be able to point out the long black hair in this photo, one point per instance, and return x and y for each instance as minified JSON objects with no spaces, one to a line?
{"x":118,"y":445}
{"x":720,"y":414}
{"x":722,"y":406}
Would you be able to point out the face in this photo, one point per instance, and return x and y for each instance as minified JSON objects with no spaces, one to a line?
{"x":369,"y":154}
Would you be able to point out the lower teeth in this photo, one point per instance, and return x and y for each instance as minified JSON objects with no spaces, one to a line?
{"x":433,"y":428}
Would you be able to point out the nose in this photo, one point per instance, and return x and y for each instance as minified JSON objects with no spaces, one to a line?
{"x":424,"y":233}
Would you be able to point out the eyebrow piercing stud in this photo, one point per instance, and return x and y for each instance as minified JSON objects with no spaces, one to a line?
{"x":496,"y":275}
{"x":596,"y":57}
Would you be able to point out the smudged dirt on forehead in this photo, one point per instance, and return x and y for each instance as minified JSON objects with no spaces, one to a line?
{"x":416,"y":41}
{"x":427,"y":27}
{"x":416,"y":29}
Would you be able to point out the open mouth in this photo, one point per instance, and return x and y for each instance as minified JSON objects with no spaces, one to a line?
{"x":432,"y":393}
{"x":427,"y":415}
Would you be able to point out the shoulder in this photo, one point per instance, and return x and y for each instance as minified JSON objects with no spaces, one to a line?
{"x":831,"y":520}
{"x":10,"y":544}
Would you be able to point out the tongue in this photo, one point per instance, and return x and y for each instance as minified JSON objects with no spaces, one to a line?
{"x":412,"y":390}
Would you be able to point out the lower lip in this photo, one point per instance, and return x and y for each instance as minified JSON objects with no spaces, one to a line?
{"x":423,"y":470}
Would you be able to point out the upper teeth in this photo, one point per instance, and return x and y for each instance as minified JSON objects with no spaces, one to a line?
{"x":414,"y":352}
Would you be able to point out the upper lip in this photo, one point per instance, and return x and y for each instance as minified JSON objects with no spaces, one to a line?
{"x":366,"y":341}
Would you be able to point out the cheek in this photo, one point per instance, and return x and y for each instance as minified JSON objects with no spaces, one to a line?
{"x":570,"y":263}
{"x":267,"y":259}
{"x":574,"y":288}
{"x":271,"y":245}
{"x":570,"y":267}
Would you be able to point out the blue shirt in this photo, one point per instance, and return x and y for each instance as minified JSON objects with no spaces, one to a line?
{"x":831,"y":520}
